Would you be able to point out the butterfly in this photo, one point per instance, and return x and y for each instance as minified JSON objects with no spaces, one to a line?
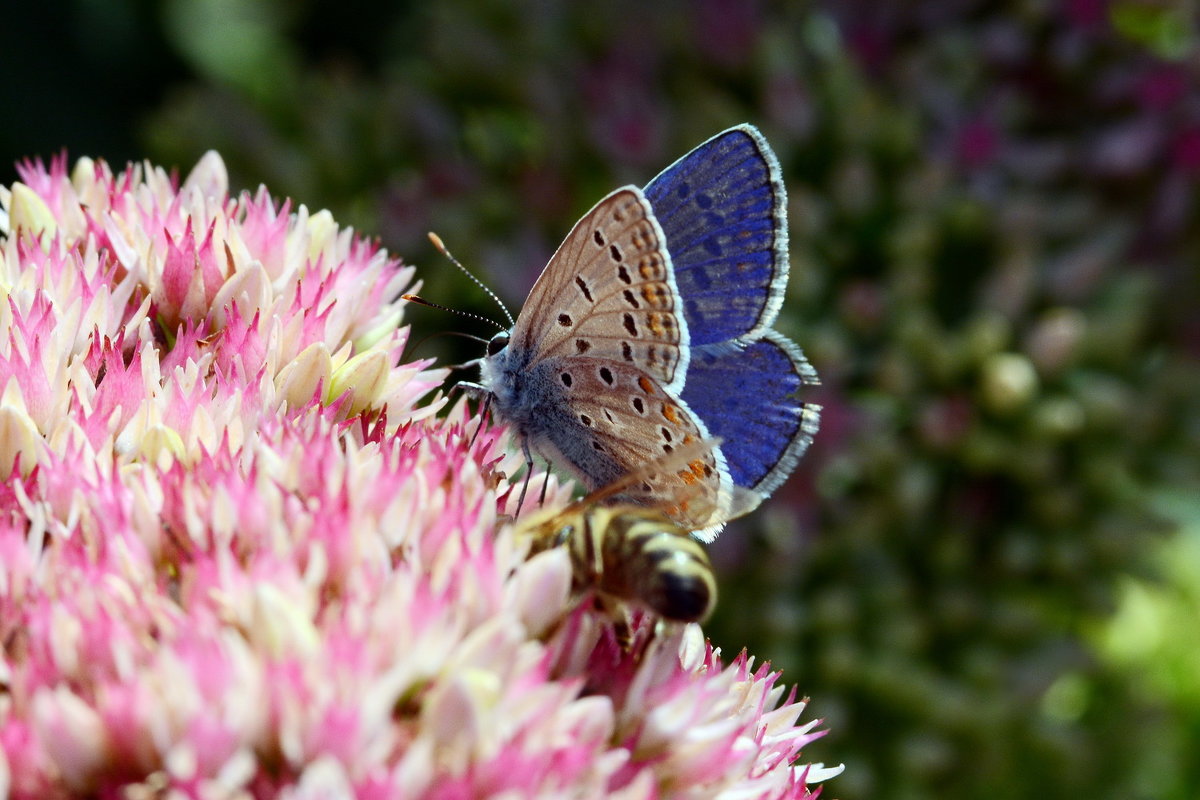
{"x":650,"y":329}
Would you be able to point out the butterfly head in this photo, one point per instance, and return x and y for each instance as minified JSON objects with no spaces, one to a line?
{"x":498,"y":343}
{"x":499,"y":374}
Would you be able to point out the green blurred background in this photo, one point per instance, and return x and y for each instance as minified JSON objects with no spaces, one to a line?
{"x":986,"y":573}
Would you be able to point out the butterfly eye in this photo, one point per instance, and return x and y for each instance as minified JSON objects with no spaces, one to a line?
{"x":497,"y":343}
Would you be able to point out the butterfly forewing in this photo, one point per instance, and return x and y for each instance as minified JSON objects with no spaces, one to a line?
{"x":723,"y":209}
{"x":608,"y":293}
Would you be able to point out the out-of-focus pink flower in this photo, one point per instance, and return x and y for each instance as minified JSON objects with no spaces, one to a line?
{"x":1162,"y":87}
{"x":241,"y":556}
{"x":1186,"y":151}
{"x":977,"y":143}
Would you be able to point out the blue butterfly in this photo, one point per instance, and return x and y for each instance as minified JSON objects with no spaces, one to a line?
{"x":650,"y":330}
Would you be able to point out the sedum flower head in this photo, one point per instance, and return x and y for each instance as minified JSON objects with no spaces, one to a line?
{"x":240,"y":556}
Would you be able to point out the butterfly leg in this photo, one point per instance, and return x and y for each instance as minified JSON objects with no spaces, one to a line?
{"x":528,"y":475}
{"x":483,"y":412}
{"x":545,"y":485}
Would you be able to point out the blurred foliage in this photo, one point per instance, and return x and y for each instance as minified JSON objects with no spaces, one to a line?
{"x":80,"y":74}
{"x":1153,"y":637}
{"x":994,"y":248}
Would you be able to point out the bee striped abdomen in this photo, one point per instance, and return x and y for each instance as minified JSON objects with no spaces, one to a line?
{"x":633,"y":554}
{"x":648,"y":559}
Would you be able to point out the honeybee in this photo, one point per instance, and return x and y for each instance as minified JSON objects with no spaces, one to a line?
{"x":635,"y":555}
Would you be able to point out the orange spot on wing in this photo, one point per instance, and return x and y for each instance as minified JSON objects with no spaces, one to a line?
{"x":650,"y":267}
{"x":656,"y":295}
{"x":646,"y":384}
{"x":671,"y":415}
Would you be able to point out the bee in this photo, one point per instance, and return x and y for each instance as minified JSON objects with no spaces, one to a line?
{"x":634,"y":555}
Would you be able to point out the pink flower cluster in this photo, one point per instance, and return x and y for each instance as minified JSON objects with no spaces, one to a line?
{"x":240,"y":556}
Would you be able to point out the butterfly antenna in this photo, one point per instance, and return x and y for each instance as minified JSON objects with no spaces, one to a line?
{"x":421,"y":301}
{"x":432,"y":336}
{"x":441,"y":246}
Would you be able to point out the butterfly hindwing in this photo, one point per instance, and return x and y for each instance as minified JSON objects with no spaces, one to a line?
{"x":618,"y":419}
{"x":764,"y":425}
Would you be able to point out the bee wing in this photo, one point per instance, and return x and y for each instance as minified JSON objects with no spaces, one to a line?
{"x":741,"y":502}
{"x":631,"y":482}
{"x":705,"y":515}
{"x":694,"y":510}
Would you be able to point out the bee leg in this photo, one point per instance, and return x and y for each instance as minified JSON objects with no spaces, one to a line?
{"x":618,"y":614}
{"x":623,"y":632}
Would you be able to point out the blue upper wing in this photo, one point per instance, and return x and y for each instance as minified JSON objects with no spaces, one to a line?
{"x":747,"y":396}
{"x":723,"y":210}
